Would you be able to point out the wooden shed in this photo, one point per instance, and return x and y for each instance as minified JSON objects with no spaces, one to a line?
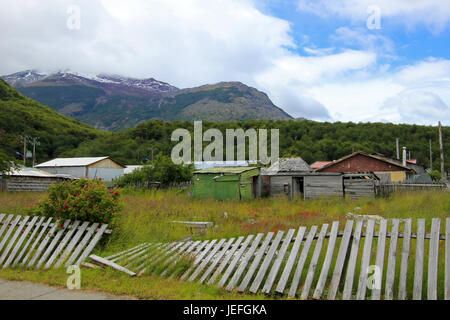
{"x":86,"y":167}
{"x":295,"y":178}
{"x":29,"y":180}
{"x":237,"y":183}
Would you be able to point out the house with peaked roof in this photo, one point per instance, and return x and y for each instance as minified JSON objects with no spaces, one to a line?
{"x":85,"y":167}
{"x":295,"y":178}
{"x":361,"y":162}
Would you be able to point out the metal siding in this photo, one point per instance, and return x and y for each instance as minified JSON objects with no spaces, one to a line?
{"x":106,"y":174}
{"x":78,"y":172}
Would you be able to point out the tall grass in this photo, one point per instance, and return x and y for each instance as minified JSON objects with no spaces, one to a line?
{"x":147,"y":217}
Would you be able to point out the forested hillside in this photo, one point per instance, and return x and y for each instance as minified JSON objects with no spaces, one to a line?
{"x":21,"y":116}
{"x":308,"y":139}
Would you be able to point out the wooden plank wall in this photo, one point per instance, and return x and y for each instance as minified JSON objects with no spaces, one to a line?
{"x":39,"y":242}
{"x":319,"y":263}
{"x":323,"y":186}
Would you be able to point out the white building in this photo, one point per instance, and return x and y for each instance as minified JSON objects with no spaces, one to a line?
{"x":87,"y":167}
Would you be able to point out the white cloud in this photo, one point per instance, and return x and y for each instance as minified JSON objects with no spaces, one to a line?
{"x":433,"y":13}
{"x":193,"y":42}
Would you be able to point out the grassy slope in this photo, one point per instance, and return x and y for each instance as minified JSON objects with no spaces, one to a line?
{"x":20,"y":115}
{"x":146,"y":217}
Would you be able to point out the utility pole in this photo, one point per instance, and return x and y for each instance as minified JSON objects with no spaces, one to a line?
{"x":398,"y":151}
{"x":34,"y":148}
{"x":24,"y":150}
{"x":441,"y":149}
{"x":431,"y":157}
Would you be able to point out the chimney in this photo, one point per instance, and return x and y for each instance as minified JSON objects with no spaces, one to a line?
{"x":404,"y":156}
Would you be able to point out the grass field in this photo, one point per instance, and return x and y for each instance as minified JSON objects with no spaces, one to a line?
{"x":147,"y":216}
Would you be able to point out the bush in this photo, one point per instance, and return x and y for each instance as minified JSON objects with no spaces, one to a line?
{"x":435,"y":175}
{"x":83,"y":199}
{"x":163,"y":170}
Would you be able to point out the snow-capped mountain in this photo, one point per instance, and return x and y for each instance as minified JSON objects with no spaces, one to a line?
{"x":113,"y":102}
{"x":28,"y":77}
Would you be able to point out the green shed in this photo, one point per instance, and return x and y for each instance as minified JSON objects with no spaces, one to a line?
{"x":226,"y":183}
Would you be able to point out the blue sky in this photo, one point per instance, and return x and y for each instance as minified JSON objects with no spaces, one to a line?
{"x":314,"y":58}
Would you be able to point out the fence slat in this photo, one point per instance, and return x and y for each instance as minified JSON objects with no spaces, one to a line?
{"x":266,"y":262}
{"x":81,"y":244}
{"x":19,"y":243}
{"x":249,"y":254}
{"x":225,"y":261}
{"x":198,"y":259}
{"x":235,"y":260}
{"x":13,"y":239}
{"x":216,"y":260}
{"x":379,"y":262}
{"x":52,"y":244}
{"x":418,"y":268}
{"x":433,"y":259}
{"x":71,"y":244}
{"x":291,"y":260}
{"x":327,"y":262}
{"x":10,"y":230}
{"x":447,"y":260}
{"x":390,"y":273}
{"x":5,"y":225}
{"x":405,"y":255}
{"x":44,"y":227}
{"x":206,"y":261}
{"x":276,"y":265}
{"x":365,"y":262}
{"x":301,"y":262}
{"x":340,"y":260}
{"x":313,"y":263}
{"x":255,"y":262}
{"x":348,"y":286}
{"x":43,"y":244}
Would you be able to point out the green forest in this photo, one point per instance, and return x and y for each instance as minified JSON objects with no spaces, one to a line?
{"x":61,"y":136}
{"x":308,"y":139}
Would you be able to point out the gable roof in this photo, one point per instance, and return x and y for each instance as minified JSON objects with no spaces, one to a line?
{"x":72,"y":162}
{"x":319,"y":164}
{"x":374,"y":156}
{"x":226,"y":170}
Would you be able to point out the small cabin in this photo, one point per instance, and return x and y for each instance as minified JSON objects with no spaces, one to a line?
{"x":226,"y":183}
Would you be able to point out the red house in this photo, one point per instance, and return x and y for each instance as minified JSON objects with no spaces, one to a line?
{"x":357,"y":162}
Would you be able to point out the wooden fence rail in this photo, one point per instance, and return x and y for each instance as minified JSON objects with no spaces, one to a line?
{"x":42,"y":242}
{"x":367,"y":260}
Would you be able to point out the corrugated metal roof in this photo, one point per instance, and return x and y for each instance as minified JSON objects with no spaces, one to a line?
{"x":70,"y":162}
{"x":33,"y":172}
{"x":229,"y":170}
{"x":320,"y":164}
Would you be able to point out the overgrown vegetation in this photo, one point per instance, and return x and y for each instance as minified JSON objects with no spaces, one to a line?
{"x":85,"y":200}
{"x":162,"y":171}
{"x":147,"y":217}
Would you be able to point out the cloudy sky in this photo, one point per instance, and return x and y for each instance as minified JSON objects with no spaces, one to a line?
{"x":329,"y":60}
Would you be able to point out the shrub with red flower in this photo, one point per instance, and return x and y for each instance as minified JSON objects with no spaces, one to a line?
{"x":85,"y":200}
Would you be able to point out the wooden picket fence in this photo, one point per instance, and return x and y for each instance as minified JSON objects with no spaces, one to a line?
{"x":45,"y":242}
{"x":285,"y":263}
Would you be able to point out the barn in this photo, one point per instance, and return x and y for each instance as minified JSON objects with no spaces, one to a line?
{"x":29,"y":180}
{"x":361,"y":162}
{"x":238,"y":183}
{"x":86,"y":167}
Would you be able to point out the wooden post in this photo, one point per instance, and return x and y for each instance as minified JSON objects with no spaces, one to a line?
{"x":398,"y":150}
{"x":24,"y":150}
{"x":431,"y":157}
{"x":441,"y":149}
